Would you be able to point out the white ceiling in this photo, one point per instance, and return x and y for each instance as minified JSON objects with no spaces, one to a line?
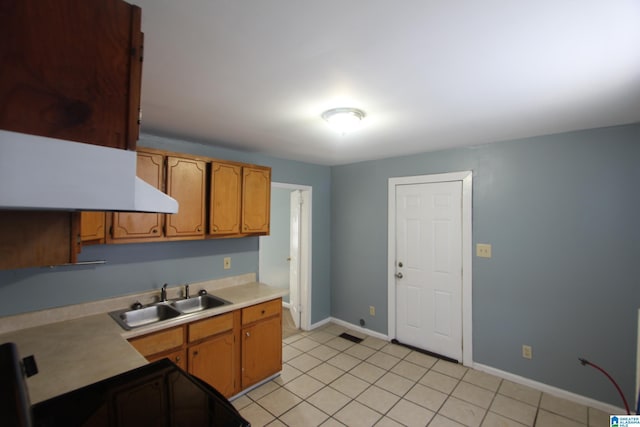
{"x":430,"y":74}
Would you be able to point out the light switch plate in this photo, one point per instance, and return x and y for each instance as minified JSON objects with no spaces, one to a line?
{"x":227,"y":263}
{"x":483,"y":250}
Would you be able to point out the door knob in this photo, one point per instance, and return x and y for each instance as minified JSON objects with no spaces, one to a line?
{"x":399,"y":275}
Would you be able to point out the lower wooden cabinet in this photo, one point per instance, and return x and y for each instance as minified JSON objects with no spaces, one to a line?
{"x":214,"y":361}
{"x":179,"y":357}
{"x":261,"y":350}
{"x":212,"y":350}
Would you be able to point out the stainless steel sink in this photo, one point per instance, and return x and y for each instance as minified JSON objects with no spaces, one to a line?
{"x":129,"y":319}
{"x":199,"y":303}
{"x":135,"y":317}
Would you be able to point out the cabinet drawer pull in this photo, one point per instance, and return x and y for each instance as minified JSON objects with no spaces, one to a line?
{"x":262,"y":312}
{"x":177,"y":358}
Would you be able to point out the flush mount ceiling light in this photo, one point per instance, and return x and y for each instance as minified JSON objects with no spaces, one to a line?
{"x":344,"y":119}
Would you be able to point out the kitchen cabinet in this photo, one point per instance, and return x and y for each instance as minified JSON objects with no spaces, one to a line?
{"x":208,"y":349}
{"x":92,"y":227}
{"x":161,"y":342}
{"x":225,"y":200}
{"x":179,"y":357}
{"x":186,"y":182}
{"x":256,"y":199}
{"x":184,"y":179}
{"x":214,"y":352}
{"x":261,"y":341}
{"x":148,"y":226}
{"x":71,"y":69}
{"x":229,"y":351}
{"x":38,"y":238}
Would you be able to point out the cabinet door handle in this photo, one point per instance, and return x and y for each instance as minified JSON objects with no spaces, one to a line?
{"x":248,"y":334}
{"x":155,"y":230}
{"x":177,"y":358}
{"x":195,"y":353}
{"x":199,"y":229}
{"x":215,"y":228}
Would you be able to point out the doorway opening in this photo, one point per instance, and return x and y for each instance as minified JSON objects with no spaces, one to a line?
{"x":285,"y":255}
{"x":459,"y":186}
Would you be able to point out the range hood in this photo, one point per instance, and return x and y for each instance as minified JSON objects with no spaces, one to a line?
{"x":51,"y":174}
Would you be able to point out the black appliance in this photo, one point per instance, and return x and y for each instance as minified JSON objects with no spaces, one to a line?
{"x":155,"y":395}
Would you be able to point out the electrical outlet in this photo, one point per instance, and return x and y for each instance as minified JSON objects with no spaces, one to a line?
{"x":372,"y":310}
{"x":527,"y":352}
{"x":483,"y":250}
{"x":227,"y":263}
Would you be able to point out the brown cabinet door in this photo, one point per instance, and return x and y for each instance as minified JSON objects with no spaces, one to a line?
{"x":261,"y":350}
{"x":213,"y":361}
{"x":256,"y":199}
{"x":186,"y":182}
{"x":92,"y":226}
{"x":224,"y":210}
{"x":126,"y":225}
{"x":179,"y":357}
{"x":37,"y":238}
{"x":71,"y":70}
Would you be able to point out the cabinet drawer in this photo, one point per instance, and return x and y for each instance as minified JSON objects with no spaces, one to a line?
{"x":159,"y":341}
{"x":209,"y":327}
{"x":261,"y":311}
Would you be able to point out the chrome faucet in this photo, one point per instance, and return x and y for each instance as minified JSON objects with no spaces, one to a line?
{"x":186,"y":291}
{"x":163,"y":293}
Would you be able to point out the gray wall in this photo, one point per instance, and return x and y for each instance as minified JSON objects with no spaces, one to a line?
{"x":133,"y":268}
{"x":561,"y":213}
{"x":275,"y":248}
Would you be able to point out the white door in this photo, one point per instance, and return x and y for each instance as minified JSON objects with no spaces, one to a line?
{"x":428,"y":267}
{"x":294,"y":257}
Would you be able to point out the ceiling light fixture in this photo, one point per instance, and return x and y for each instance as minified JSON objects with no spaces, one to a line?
{"x":344,"y":119}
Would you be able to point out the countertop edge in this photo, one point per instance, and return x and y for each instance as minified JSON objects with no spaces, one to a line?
{"x":80,"y":351}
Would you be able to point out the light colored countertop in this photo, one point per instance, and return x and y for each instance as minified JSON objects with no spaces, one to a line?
{"x":82,"y":350}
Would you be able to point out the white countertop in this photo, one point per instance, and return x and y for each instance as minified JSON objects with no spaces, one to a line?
{"x":73,"y":353}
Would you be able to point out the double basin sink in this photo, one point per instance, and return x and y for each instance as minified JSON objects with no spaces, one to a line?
{"x":154,"y":313}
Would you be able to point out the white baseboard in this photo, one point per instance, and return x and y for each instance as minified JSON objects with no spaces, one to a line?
{"x":359,"y":329}
{"x":545,"y":388}
{"x":320,"y":323}
{"x":350,"y":326}
{"x":286,"y":305}
{"x":555,"y":391}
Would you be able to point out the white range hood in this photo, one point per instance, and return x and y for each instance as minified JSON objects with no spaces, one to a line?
{"x":51,"y":174}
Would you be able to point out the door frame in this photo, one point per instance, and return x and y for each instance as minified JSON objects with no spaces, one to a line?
{"x":305,"y":250}
{"x":466,"y":177}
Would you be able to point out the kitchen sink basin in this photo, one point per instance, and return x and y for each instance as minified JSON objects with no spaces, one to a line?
{"x":199,"y":303}
{"x":129,"y":319}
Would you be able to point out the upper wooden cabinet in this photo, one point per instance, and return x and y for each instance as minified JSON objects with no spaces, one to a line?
{"x":124,"y":225}
{"x":225,"y":200}
{"x":71,"y":69}
{"x":186,"y":182}
{"x":38,"y":238}
{"x":182,"y":178}
{"x":92,"y":227}
{"x":216,"y":198}
{"x":256,"y":199}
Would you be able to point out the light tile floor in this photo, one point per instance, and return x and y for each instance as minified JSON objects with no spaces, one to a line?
{"x":330,"y":381}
